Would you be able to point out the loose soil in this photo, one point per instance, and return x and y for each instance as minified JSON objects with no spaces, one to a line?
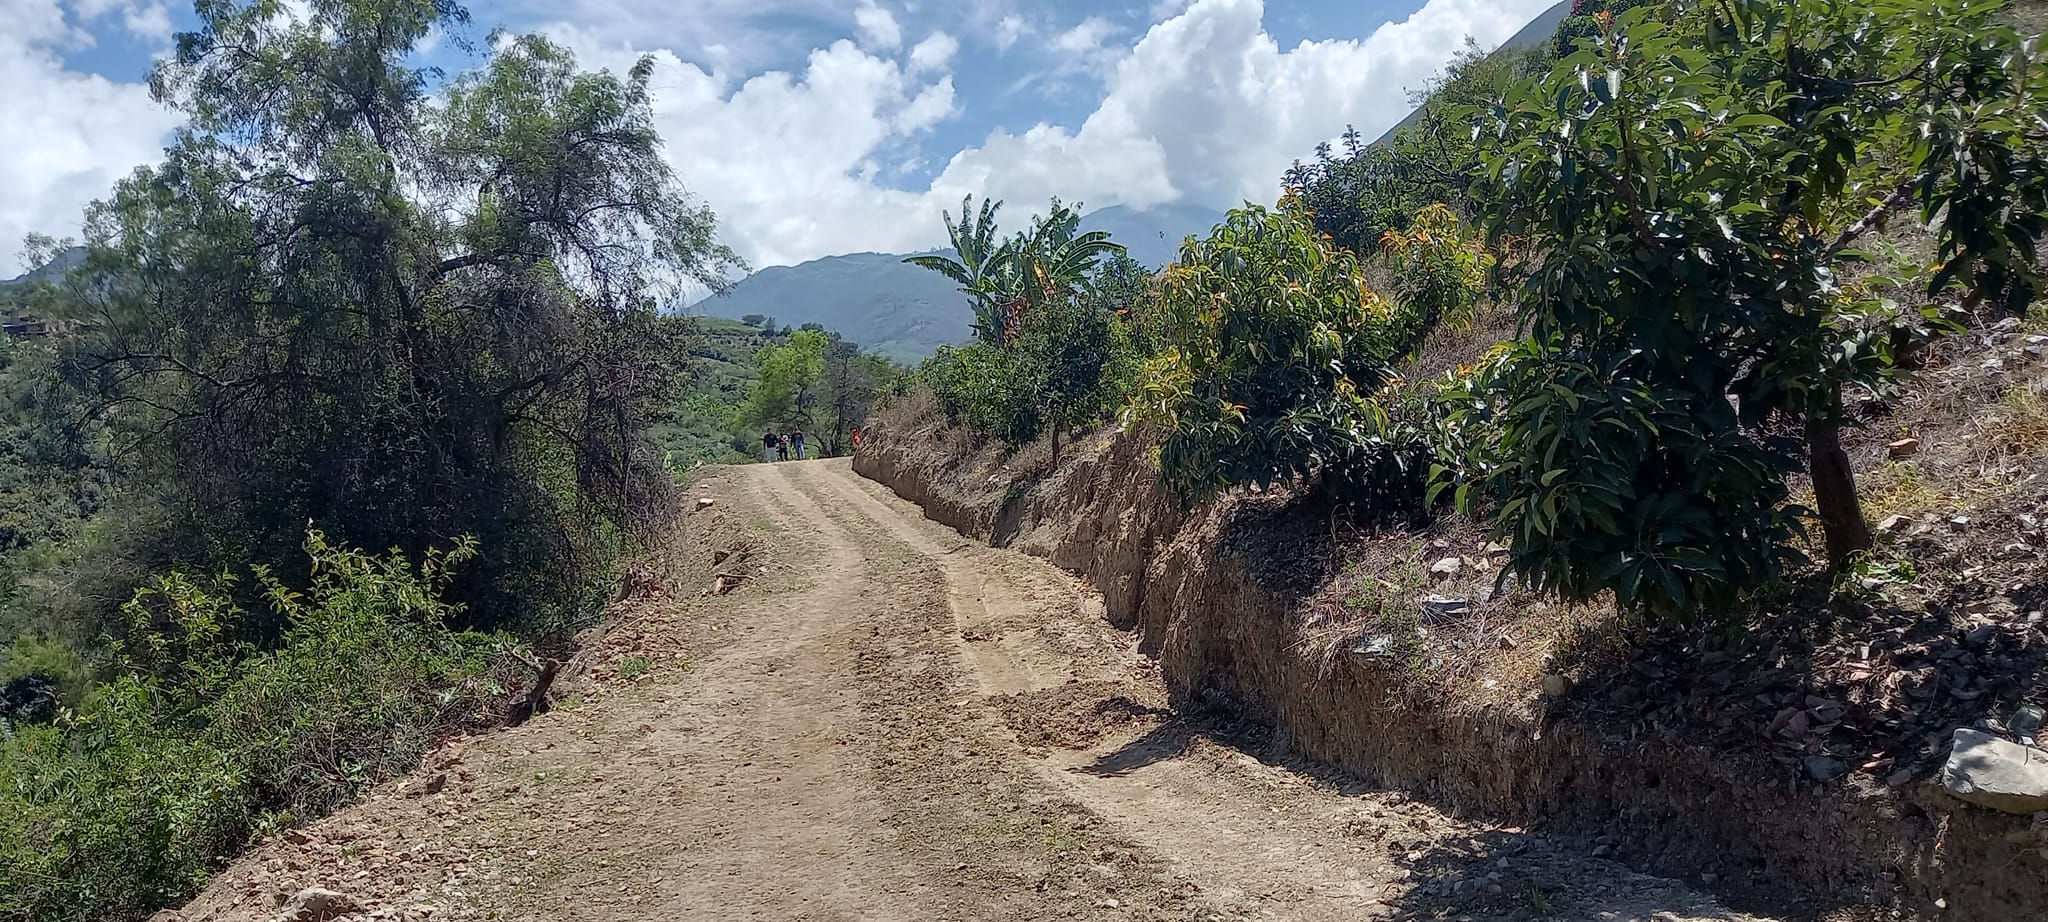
{"x":853,"y":713}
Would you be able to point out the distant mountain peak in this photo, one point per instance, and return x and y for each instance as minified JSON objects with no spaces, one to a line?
{"x":895,"y":309}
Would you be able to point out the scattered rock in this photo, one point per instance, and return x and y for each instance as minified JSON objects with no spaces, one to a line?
{"x":706,"y":502}
{"x":2026,"y":721}
{"x":429,"y":787}
{"x":1903,"y":448}
{"x":1376,"y":645}
{"x":1824,"y":769}
{"x":2002,"y":775}
{"x":314,"y":904}
{"x":1444,"y":609}
{"x":2037,"y":345}
{"x":1893,"y":524}
{"x":1449,"y":566}
{"x":1557,"y":686}
{"x":1959,"y":522}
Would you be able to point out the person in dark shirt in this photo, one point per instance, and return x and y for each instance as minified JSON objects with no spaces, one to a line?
{"x":797,"y":440}
{"x":768,"y":446}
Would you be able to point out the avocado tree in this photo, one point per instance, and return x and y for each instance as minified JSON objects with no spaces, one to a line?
{"x":1274,"y":350}
{"x":1692,"y":184}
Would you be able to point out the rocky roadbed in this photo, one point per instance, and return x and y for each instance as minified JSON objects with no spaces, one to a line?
{"x":869,"y":717}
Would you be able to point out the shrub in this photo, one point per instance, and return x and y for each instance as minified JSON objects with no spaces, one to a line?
{"x":130,"y":800}
{"x":1275,"y":354}
{"x":1439,"y":272}
{"x":1692,"y":185}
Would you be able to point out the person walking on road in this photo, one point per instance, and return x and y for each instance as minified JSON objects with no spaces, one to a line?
{"x":782,"y":448}
{"x":768,"y":441}
{"x":797,"y":439}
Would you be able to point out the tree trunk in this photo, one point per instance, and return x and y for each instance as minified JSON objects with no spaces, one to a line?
{"x":1834,"y":491}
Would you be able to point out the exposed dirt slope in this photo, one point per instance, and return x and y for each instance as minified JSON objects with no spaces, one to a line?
{"x":887,"y":721}
{"x":1793,"y":764}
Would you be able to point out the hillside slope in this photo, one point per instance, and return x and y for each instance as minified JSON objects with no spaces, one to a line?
{"x":1539,"y":31}
{"x":900,"y":311}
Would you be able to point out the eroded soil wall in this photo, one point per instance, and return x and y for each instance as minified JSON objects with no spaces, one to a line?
{"x":1752,"y":830}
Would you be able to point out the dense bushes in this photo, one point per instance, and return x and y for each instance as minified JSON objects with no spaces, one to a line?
{"x":131,"y":799}
{"x":1684,"y":193}
{"x":1276,"y":356}
{"x":355,"y":297}
{"x":1053,"y":349}
{"x":335,"y":302}
{"x":1691,"y":184}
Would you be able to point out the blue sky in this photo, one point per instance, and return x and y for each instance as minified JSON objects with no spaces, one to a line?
{"x":824,"y":126}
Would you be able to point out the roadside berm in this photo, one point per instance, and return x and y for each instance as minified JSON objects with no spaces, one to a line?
{"x":1797,"y":759}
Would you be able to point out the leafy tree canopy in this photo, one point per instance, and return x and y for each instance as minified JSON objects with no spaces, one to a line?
{"x":1691,"y":185}
{"x":405,"y":322}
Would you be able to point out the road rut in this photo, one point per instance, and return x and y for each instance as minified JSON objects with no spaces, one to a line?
{"x":890,"y":721}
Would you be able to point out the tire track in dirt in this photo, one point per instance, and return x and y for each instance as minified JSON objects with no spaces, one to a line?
{"x":1259,"y":839}
{"x":890,"y":722}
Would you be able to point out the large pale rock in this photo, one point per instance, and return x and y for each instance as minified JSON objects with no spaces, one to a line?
{"x":314,"y":904}
{"x":2002,"y":775}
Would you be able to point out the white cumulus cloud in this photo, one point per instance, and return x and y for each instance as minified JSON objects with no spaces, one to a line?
{"x":934,"y":53}
{"x":69,"y":135}
{"x":1205,"y":108}
{"x":878,"y":27}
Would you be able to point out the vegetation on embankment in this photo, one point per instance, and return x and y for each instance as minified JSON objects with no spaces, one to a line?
{"x":1681,"y":373}
{"x":345,"y":425}
{"x":1788,"y":753}
{"x":747,"y":376}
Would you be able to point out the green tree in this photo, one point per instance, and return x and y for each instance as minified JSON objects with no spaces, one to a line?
{"x":334,"y":301}
{"x":852,"y":383}
{"x":1275,"y":352}
{"x":1077,"y":358}
{"x":1692,"y":186}
{"x":1047,"y":263}
{"x":980,"y":257}
{"x":1439,"y":271}
{"x":1361,"y":191}
{"x":786,"y":394}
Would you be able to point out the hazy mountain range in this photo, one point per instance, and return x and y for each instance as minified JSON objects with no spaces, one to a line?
{"x":898,"y":310}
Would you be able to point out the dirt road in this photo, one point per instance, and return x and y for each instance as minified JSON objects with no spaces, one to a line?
{"x":889,"y":721}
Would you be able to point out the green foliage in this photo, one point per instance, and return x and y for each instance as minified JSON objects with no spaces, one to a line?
{"x":1053,"y":348}
{"x":132,"y":798}
{"x":790,"y":376}
{"x":1584,"y":21}
{"x":1691,"y":185}
{"x":1005,"y":280}
{"x":1362,"y":192}
{"x":987,"y":388}
{"x":1439,"y":271}
{"x":334,"y":302}
{"x":1275,"y":355}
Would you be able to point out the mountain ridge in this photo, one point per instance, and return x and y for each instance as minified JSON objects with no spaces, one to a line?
{"x":898,"y":310}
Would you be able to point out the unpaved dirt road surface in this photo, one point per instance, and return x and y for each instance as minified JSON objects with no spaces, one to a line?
{"x":888,"y":721}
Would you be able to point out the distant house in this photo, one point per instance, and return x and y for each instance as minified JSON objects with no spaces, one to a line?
{"x":27,"y":325}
